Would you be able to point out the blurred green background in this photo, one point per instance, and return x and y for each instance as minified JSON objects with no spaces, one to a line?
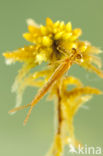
{"x":36,"y":137}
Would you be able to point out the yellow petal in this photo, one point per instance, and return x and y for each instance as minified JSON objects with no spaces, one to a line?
{"x":49,"y":22}
{"x":69,"y":26}
{"x":32,"y":29}
{"x":46,"y":41}
{"x":28,"y":36}
{"x":59,"y":35}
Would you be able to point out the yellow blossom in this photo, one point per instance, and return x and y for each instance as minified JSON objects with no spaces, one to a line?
{"x":57,"y":44}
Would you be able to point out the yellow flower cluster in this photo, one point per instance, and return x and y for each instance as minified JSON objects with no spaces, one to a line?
{"x":58,"y":45}
{"x":53,"y":42}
